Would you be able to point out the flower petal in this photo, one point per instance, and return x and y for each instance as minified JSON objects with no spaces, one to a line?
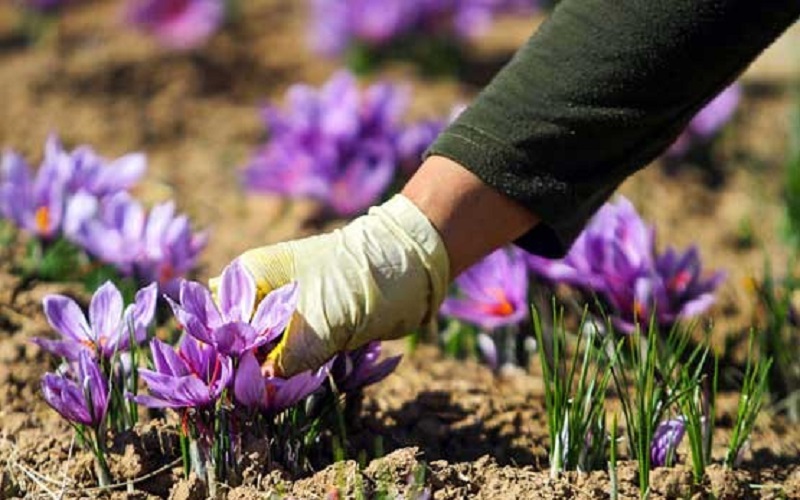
{"x":237,"y":292}
{"x":275,"y":311}
{"x":105,"y":314}
{"x":66,"y":317}
{"x":248,"y":387}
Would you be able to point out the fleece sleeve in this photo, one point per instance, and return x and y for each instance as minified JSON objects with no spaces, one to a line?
{"x":601,"y":89}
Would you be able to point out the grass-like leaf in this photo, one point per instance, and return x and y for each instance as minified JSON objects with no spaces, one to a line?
{"x":754,"y":387}
{"x":575,"y":392}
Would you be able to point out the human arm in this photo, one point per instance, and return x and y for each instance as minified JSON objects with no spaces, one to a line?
{"x":600,"y":90}
{"x":593,"y":96}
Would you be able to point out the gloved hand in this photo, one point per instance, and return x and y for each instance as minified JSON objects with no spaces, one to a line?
{"x":378,"y":278}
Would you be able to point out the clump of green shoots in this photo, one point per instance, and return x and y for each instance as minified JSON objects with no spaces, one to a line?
{"x":754,"y":387}
{"x":649,"y":382}
{"x":697,"y":402}
{"x":575,"y":392}
{"x":777,"y":320}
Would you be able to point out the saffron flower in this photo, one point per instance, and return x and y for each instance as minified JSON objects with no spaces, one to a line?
{"x":273,"y":394}
{"x":494,"y":292}
{"x":336,"y":24}
{"x":108,"y":328}
{"x":177,"y":24}
{"x":674,"y":289}
{"x":615,"y":241}
{"x":52,"y":202}
{"x":337,"y":145}
{"x":708,"y":122}
{"x":192,"y":377}
{"x":232,"y":327}
{"x":86,"y":171}
{"x":615,"y":258}
{"x":82,"y":400}
{"x":666,"y":439}
{"x":356,"y":369}
{"x":35,"y":203}
{"x":156,"y":246}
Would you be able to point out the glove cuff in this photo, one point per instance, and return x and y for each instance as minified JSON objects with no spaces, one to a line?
{"x":410,"y":225}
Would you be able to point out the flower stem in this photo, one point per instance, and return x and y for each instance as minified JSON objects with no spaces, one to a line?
{"x":100,"y":462}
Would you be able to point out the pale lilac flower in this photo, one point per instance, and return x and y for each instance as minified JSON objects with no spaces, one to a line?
{"x":156,"y":246}
{"x":194,"y":376}
{"x":336,"y":144}
{"x":82,"y":399}
{"x":87,"y":172}
{"x":356,"y":369}
{"x":666,"y":439}
{"x":63,"y":192}
{"x":707,"y":123}
{"x":493,"y":292}
{"x":273,"y":394}
{"x":177,"y":24}
{"x":108,"y":328}
{"x":33,"y":202}
{"x":233,"y":327}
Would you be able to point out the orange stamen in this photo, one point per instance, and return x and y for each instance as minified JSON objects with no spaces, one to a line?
{"x":42,"y":219}
{"x":503,"y":306}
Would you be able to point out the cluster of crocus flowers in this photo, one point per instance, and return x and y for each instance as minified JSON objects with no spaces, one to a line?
{"x":493,"y":296}
{"x":218,"y":366}
{"x":615,"y":259}
{"x":98,"y":352}
{"x":708,"y":122}
{"x":81,"y":197}
{"x":336,"y":24}
{"x":177,"y":24}
{"x":339,"y":144}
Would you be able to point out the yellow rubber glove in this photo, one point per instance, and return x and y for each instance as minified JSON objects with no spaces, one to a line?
{"x":378,"y":278}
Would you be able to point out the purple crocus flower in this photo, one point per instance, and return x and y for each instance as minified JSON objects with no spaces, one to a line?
{"x":35,"y":203}
{"x":107,"y":330}
{"x":232,"y":327}
{"x":666,"y":439}
{"x":58,"y":197}
{"x":194,"y":376}
{"x":177,"y":24}
{"x":82,"y":400}
{"x":159,"y":246}
{"x":494,"y":292}
{"x":615,"y":258}
{"x":708,"y":121}
{"x":336,"y":144}
{"x":273,"y":394}
{"x":616,"y":237}
{"x":88,"y":172}
{"x":359,"y":368}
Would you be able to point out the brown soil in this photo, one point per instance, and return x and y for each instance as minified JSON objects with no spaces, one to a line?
{"x":469,"y":433}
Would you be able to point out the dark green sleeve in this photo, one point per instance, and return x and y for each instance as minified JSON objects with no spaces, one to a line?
{"x":601,"y":89}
